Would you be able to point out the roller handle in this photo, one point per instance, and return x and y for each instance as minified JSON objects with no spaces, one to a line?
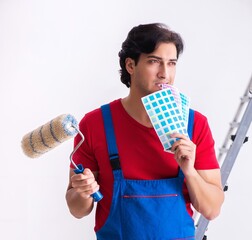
{"x":97,"y":196}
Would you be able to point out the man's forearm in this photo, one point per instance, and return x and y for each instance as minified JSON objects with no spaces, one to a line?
{"x":78,"y":205}
{"x":206,"y":196}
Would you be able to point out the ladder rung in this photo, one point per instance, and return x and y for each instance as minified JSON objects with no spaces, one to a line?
{"x":245,"y":98}
{"x":234,"y":124}
{"x":223,"y":150}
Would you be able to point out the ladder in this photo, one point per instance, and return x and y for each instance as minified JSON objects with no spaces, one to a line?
{"x":231,"y":148}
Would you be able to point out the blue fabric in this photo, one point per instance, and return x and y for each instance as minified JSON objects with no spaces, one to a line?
{"x":146,"y":209}
{"x":190,"y":123}
{"x":111,"y":141}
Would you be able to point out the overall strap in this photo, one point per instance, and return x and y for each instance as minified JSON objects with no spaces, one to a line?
{"x":189,"y":131}
{"x":190,"y":123}
{"x":110,"y":137}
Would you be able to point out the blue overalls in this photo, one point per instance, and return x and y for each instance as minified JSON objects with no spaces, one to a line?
{"x":144,"y":209}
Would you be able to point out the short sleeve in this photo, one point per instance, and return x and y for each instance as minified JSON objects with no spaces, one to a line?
{"x":84,"y":155}
{"x":202,"y":137}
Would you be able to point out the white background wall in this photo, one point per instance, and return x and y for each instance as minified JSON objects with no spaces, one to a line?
{"x":60,"y":56}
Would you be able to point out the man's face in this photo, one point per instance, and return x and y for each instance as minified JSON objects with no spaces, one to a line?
{"x":154,"y":69}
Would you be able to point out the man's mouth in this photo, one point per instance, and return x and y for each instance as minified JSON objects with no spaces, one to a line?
{"x":162,"y":85}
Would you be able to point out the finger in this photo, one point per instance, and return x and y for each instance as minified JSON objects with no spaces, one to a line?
{"x":83,"y":182}
{"x":87,"y":192}
{"x":179,"y":143}
{"x":88,"y":189}
{"x":78,"y":177}
{"x":88,"y":172}
{"x":178,"y":135}
{"x":185,"y":141}
{"x":183,"y":156}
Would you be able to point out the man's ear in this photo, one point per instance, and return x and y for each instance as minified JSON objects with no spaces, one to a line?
{"x":129,"y":65}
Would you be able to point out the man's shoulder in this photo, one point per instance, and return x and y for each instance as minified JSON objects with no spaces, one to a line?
{"x":199,"y":116}
{"x":96,"y":114}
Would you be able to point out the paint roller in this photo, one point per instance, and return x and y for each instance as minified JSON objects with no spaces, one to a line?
{"x":52,"y":134}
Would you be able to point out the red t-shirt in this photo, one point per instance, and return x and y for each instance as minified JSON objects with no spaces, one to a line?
{"x":141,"y":153}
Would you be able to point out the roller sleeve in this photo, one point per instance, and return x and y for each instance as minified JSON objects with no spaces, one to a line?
{"x":49,"y":135}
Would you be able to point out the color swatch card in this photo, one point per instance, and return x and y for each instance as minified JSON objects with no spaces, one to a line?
{"x":168,"y":110}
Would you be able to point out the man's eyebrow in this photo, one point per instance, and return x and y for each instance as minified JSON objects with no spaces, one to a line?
{"x":159,"y":58}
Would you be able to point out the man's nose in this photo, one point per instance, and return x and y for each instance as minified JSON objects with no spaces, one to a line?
{"x":163,"y":72}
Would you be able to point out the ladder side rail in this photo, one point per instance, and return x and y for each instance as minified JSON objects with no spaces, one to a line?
{"x":201,"y":227}
{"x":233,"y":125}
{"x":236,"y":145}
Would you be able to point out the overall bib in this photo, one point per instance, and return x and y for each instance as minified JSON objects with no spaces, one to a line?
{"x":144,"y":209}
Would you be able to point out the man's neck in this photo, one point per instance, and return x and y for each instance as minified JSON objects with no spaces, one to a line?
{"x":134,"y":107}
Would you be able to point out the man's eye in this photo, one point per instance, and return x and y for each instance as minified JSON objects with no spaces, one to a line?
{"x":172,"y":63}
{"x":154,"y":61}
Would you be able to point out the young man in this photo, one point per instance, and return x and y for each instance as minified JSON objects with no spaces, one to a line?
{"x":147,"y":192}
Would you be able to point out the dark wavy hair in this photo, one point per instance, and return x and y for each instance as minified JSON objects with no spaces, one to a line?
{"x":144,"y":38}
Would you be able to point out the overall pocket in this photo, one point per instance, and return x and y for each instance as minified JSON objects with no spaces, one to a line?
{"x":153,"y":209}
